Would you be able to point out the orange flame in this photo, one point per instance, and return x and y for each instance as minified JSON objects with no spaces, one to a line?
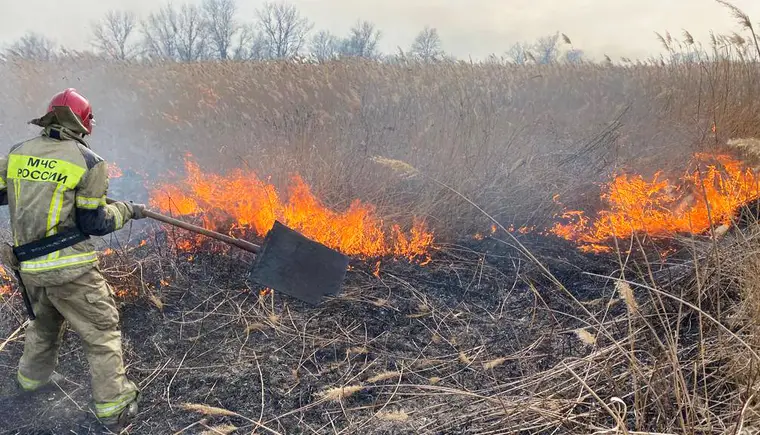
{"x":239,"y":203}
{"x":526,"y":229}
{"x":707,"y":196}
{"x":5,"y":283}
{"x":376,"y":271}
{"x":114,"y":171}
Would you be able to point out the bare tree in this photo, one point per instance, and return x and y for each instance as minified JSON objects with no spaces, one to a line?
{"x":518,"y":54}
{"x":284,"y":28}
{"x":243,"y":41}
{"x":222,"y":26}
{"x":191,"y":33}
{"x":362,"y":41}
{"x":160,"y":33}
{"x":33,"y":46}
{"x":324,"y":46}
{"x":260,"y":47}
{"x":177,"y":34}
{"x":113,"y":34}
{"x":547,"y":49}
{"x":427,"y":45}
{"x":248,"y":44}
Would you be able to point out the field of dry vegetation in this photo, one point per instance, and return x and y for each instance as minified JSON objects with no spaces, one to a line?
{"x":514,"y":333}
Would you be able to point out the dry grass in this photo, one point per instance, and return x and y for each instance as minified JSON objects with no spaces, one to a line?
{"x":626,"y":293}
{"x":339,"y":393}
{"x":464,"y":358}
{"x":208,"y":410}
{"x":586,"y":337}
{"x":490,"y":365}
{"x":357,"y":351}
{"x":155,"y":300}
{"x":393,"y":416}
{"x":253,"y":327}
{"x":384,"y":377}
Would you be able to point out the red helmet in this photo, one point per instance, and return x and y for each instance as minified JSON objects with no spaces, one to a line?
{"x":77,"y":103}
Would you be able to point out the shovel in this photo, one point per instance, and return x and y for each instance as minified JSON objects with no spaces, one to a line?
{"x":287,"y":261}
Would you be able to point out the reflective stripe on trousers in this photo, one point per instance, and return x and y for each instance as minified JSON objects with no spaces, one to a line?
{"x":26,"y":383}
{"x":57,"y":263}
{"x":113,"y":408}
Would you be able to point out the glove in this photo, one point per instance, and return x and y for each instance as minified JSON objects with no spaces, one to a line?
{"x":137,"y":210}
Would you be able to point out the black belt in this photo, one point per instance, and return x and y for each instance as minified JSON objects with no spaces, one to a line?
{"x":48,"y":245}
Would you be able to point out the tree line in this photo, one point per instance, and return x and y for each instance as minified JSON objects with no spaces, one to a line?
{"x":214,"y":30}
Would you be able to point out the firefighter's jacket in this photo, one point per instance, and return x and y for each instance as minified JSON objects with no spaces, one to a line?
{"x":53,"y":183}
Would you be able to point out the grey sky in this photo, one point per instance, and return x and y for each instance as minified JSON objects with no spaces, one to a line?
{"x":467,"y":27}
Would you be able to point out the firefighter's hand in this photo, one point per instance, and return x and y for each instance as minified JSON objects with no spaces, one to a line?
{"x":137,"y":210}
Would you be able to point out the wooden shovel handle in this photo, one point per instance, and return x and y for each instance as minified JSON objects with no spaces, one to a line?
{"x":242,"y":244}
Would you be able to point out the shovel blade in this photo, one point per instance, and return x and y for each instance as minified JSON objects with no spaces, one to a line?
{"x":297,"y":266}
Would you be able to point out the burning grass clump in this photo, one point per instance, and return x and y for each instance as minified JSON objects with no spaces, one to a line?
{"x":241,"y":204}
{"x":712,"y":191}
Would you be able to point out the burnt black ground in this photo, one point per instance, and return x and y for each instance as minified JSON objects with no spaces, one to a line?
{"x":217,"y":342}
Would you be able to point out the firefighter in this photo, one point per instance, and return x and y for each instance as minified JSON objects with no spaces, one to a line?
{"x":55,"y":187}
